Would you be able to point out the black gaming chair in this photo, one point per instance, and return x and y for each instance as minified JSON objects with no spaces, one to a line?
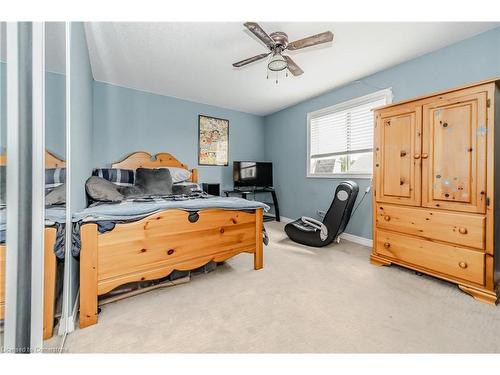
{"x":311,"y":232}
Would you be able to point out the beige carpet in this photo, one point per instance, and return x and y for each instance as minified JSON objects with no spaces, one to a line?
{"x":304,"y":300}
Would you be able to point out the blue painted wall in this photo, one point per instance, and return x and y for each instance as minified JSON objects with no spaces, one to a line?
{"x":471,"y":60}
{"x":127,"y":120}
{"x":55,"y":114}
{"x":81,"y":116}
{"x":3,"y":107}
{"x":55,"y":127}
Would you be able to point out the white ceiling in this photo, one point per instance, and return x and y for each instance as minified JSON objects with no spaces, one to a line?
{"x":55,"y":46}
{"x":193,"y":61}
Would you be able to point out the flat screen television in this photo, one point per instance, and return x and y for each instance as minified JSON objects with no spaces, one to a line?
{"x":252,"y":174}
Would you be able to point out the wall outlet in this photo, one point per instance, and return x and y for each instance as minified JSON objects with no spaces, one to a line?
{"x":321,"y":213}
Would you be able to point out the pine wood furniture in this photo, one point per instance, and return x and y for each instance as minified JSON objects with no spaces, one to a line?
{"x":151,"y":248}
{"x":50,"y":263}
{"x":434,"y":177}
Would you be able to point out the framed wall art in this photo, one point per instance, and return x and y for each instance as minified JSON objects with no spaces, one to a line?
{"x":213,"y":139}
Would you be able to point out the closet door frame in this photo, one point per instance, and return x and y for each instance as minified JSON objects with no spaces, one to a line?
{"x":12,"y":189}
{"x":478,"y":193}
{"x":38,"y":189}
{"x":414,"y":153}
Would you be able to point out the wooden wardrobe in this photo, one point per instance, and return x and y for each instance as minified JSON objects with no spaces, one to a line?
{"x":434,"y":186}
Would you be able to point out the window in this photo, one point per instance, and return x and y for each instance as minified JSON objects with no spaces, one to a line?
{"x":340,"y":138}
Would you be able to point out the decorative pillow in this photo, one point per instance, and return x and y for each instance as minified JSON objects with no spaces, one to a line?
{"x":120,"y":177}
{"x":3,"y":186}
{"x":154,"y":181}
{"x":56,"y":196}
{"x":185,"y":188}
{"x":100,"y":189}
{"x":131,"y":191}
{"x":178,"y":174}
{"x":54,"y":177}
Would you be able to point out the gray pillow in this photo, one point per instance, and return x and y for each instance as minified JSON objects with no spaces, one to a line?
{"x":56,"y":196}
{"x":131,"y":191}
{"x":185,"y":188}
{"x":154,"y":181}
{"x":3,"y":185}
{"x":103,"y":190}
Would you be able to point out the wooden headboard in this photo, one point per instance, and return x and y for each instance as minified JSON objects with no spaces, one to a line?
{"x":143,"y":159}
{"x":51,"y":161}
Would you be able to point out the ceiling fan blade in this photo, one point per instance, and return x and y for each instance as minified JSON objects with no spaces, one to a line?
{"x":259,"y":32}
{"x":292,"y":67}
{"x":250,"y":60}
{"x":311,"y":41}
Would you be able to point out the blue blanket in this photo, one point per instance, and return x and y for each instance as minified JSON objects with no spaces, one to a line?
{"x":133,"y":210}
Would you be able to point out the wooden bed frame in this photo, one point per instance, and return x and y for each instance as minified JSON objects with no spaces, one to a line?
{"x":50,"y":263}
{"x":151,"y":248}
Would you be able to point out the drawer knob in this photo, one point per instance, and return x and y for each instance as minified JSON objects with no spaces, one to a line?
{"x":402,"y":153}
{"x":462,"y":230}
{"x":425,"y":156}
{"x":170,"y":252}
{"x":416,"y":156}
{"x":462,"y":265}
{"x":387,"y":218}
{"x":387,"y":245}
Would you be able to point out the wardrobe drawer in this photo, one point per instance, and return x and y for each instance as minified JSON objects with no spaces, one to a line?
{"x":446,"y":259}
{"x":458,"y":228}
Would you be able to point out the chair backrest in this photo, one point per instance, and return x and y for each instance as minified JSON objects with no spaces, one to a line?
{"x":339,"y":213}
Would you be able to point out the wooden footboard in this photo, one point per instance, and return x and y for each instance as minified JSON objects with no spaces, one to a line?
{"x":49,"y":282}
{"x":153,"y":247}
{"x":3,"y":255}
{"x":49,"y":287}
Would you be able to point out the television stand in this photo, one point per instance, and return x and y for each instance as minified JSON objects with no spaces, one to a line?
{"x":244,"y":192}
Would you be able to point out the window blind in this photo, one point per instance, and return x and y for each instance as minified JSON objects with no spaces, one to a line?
{"x":343,"y":132}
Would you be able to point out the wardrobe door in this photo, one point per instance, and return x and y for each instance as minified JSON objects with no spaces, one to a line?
{"x":454,"y":153}
{"x":397,"y":155}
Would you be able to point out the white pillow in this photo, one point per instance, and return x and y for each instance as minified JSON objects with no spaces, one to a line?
{"x":179,"y":174}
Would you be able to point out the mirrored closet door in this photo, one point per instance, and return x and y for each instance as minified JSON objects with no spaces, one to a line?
{"x":3,"y":172}
{"x":55,"y":172}
{"x":33,"y":170}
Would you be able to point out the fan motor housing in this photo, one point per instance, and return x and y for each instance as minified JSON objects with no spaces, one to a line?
{"x":280,"y":38}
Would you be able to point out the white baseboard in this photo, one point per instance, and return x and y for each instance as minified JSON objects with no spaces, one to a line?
{"x":346,"y":236}
{"x":357,"y":239}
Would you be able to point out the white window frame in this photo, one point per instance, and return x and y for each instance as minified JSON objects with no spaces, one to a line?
{"x":385,"y":93}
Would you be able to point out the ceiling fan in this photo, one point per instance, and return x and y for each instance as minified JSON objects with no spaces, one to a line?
{"x":277,"y":42}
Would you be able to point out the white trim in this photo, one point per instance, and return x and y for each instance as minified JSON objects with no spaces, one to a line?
{"x":357,"y":239}
{"x":387,"y":93}
{"x":345,"y":175}
{"x":38,"y":185}
{"x":354,"y":102}
{"x":9,"y":342}
{"x":66,"y":323}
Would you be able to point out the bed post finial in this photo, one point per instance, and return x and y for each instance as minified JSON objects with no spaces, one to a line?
{"x":194,"y":175}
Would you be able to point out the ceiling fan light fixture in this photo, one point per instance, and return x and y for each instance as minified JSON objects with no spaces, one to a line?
{"x":277,"y":63}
